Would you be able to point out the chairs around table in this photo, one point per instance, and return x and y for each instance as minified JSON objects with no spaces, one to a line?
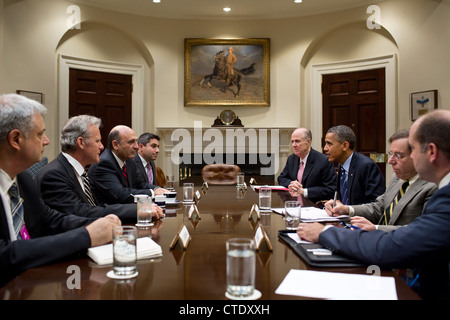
{"x":218,"y":173}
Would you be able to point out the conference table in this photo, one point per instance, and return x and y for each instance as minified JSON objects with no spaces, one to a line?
{"x":197,"y":272}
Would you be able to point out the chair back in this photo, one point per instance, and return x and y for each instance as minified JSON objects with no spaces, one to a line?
{"x":220,"y":173}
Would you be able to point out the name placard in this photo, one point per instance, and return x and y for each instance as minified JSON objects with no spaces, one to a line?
{"x":252,"y":181}
{"x":197,"y":196}
{"x":254,"y":214}
{"x":181,"y":239}
{"x":193,"y":212}
{"x":262,"y":241}
{"x":205,"y":185}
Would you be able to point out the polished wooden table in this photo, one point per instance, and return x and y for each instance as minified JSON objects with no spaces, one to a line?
{"x":197,"y":273}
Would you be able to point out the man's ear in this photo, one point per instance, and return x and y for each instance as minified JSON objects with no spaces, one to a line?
{"x":15,"y":138}
{"x":115,"y":144}
{"x":80,"y":143}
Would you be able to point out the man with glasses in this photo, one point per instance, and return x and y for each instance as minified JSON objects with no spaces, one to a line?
{"x":403,"y":200}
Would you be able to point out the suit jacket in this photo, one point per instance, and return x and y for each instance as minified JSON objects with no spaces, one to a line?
{"x":319,"y":176}
{"x":365,"y":180}
{"x":108,"y":183}
{"x":422,"y":244}
{"x":142,"y":171}
{"x":68,"y":236}
{"x":407,"y":209}
{"x":62,"y":191}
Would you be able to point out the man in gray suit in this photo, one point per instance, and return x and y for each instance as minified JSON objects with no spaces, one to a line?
{"x":391,"y":210}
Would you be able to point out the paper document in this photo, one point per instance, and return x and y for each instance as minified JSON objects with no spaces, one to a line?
{"x":340,"y":286}
{"x":275,"y":188}
{"x":312,"y":214}
{"x":146,"y":248}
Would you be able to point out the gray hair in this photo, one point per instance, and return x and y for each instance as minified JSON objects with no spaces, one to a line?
{"x":16,"y":112}
{"x":75,"y":127}
{"x":343,"y":133}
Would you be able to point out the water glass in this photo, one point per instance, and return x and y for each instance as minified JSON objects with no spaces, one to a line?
{"x":144,"y":210}
{"x":292,"y":214}
{"x":240,"y":267}
{"x":124,"y":250}
{"x":265,"y":199}
{"x":188,"y":193}
{"x":170,"y":183}
{"x":240,"y":180}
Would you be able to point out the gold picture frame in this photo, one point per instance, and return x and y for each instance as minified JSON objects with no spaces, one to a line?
{"x":206,"y":80}
{"x":37,"y":96}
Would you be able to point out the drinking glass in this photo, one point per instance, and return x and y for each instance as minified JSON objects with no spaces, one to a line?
{"x":240,"y":267}
{"x":188,"y":193}
{"x":265,"y":199}
{"x":124,"y":250}
{"x":292,"y":214}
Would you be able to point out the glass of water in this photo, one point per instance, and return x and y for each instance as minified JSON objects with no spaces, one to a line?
{"x":240,"y":267}
{"x":124,"y":250}
{"x":265,"y":199}
{"x":240,"y":180}
{"x":292,"y":214}
{"x":188,"y":193}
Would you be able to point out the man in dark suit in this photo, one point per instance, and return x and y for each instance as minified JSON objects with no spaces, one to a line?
{"x":403,"y":200}
{"x":32,"y":234}
{"x":63,"y":182}
{"x":308,"y":172}
{"x":359,"y":178}
{"x":425,"y":242}
{"x":148,"y":150}
{"x":114,"y":179}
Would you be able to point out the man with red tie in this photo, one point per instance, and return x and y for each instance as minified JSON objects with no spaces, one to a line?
{"x":307,"y":171}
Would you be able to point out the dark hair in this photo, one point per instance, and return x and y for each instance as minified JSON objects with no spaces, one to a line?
{"x":343,"y":133}
{"x":146,"y":137}
{"x":435,"y":128}
{"x":113,"y":135}
{"x":400,"y":134}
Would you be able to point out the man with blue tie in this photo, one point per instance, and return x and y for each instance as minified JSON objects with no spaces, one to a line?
{"x":359,"y":178}
{"x":423,"y":244}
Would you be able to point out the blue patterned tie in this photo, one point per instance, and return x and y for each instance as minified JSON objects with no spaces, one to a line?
{"x":344,"y":186}
{"x":16,"y":210}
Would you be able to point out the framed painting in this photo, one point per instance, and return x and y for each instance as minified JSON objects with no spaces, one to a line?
{"x":37,"y":96}
{"x":231,"y":72}
{"x":422,"y":103}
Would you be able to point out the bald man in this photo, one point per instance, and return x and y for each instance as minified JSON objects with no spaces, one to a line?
{"x":114,"y":179}
{"x":307,"y":171}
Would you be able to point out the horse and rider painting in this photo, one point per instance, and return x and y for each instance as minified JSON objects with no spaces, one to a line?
{"x":231,"y":72}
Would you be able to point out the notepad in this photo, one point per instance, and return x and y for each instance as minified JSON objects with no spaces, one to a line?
{"x":334,"y":285}
{"x":146,"y":248}
{"x":312,"y":214}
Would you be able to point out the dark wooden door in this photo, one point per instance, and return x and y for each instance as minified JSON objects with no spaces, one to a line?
{"x":101,"y":94}
{"x":357,"y":99}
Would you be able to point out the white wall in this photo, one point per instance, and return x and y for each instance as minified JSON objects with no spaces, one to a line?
{"x":35,"y":33}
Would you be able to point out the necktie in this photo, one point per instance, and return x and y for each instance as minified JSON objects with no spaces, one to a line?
{"x":388,"y":212}
{"x":149,"y":173}
{"x":300,"y":172}
{"x":87,"y":188}
{"x":344,"y":186}
{"x":17,"y":213}
{"x":124,"y":172}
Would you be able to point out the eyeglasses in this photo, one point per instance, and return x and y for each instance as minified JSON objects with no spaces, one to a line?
{"x":396,"y":155}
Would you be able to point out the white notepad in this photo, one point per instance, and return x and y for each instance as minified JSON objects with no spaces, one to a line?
{"x":146,"y":248}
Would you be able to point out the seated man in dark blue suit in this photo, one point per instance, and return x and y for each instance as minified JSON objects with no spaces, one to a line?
{"x":307,"y":171}
{"x":423,"y":244}
{"x":32,"y":234}
{"x":359,"y":178}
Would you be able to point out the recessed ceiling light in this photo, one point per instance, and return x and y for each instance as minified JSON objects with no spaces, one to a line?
{"x":227,"y":9}
{"x":156,"y":1}
{"x":298,"y":1}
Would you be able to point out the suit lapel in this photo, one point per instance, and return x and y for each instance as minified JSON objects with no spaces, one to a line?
{"x":409,"y":195}
{"x":351,"y":174}
{"x":73,"y":177}
{"x":309,"y":165}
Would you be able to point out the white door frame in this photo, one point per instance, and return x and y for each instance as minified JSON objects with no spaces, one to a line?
{"x":388,"y":62}
{"x":135,"y":70}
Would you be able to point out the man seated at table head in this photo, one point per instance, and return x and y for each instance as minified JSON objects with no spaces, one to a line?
{"x":148,"y":150}
{"x":32,"y":234}
{"x":359,"y":179}
{"x":425,"y":242}
{"x":114,"y":179}
{"x":64,"y":183}
{"x":307,"y":172}
{"x":403,"y":200}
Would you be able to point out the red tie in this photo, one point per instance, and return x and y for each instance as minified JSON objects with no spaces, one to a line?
{"x":124,"y":171}
{"x":300,"y":172}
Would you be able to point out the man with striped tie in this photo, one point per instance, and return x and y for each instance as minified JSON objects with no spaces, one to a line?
{"x":39,"y":235}
{"x":359,"y":178}
{"x":64,"y":183}
{"x":403,"y":200}
{"x":424,"y":244}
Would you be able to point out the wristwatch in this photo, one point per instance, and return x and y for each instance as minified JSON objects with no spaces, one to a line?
{"x":227,"y":117}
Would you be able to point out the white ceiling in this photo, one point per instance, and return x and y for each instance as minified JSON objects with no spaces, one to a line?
{"x":212,"y":9}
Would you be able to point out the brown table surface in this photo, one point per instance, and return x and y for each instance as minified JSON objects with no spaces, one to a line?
{"x":197,"y":273}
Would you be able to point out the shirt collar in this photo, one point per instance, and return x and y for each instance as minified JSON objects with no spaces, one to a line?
{"x":75,"y":164}
{"x":6,"y":182}
{"x":347,"y":162}
{"x":445,"y":181}
{"x":120,"y":162}
{"x":144,"y":162}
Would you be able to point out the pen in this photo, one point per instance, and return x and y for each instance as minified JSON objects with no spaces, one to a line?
{"x":334,"y":199}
